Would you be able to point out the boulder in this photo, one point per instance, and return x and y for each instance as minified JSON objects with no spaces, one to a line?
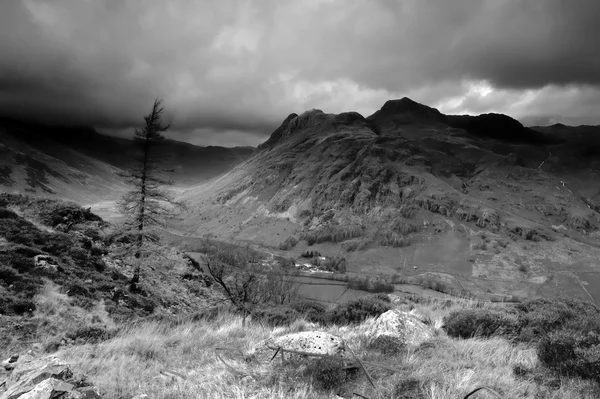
{"x":45,"y":263}
{"x":50,"y":388}
{"x":46,"y":378}
{"x":32,"y":371}
{"x":406,"y":327}
{"x":314,"y":342}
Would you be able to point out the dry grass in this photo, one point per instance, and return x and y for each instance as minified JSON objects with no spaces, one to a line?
{"x":132,"y":362}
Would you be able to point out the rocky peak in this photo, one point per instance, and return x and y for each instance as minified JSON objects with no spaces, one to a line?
{"x":406,"y":111}
{"x":278,"y":133}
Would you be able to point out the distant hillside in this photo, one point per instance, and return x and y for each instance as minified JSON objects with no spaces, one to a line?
{"x":480,"y":203}
{"x":79,"y":164}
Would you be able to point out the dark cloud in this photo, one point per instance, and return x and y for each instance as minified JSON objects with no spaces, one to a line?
{"x":231,"y":70}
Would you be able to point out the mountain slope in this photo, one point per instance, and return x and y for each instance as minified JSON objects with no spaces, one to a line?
{"x":480,"y":203}
{"x":79,"y":164}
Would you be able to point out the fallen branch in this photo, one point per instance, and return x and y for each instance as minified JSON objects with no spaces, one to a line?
{"x":229,"y":366}
{"x":301,"y":353}
{"x":481,"y":388}
{"x":171,"y":373}
{"x":544,"y":161}
{"x":361,"y":364}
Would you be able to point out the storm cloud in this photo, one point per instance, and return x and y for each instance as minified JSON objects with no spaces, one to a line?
{"x":230,"y":71}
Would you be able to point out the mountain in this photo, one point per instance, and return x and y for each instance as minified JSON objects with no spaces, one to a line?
{"x":80,"y":164}
{"x":481,"y":203}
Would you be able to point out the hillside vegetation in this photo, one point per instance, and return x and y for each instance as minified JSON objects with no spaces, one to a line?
{"x":63,"y":274}
{"x":178,"y":338}
{"x":213,"y":358}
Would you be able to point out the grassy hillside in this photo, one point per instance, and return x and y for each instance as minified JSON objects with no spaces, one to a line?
{"x":164,"y":340}
{"x":179,"y":360}
{"x":78,"y":285}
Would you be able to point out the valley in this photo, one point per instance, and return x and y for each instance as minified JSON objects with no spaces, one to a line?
{"x":479,"y":207}
{"x":502,"y":219}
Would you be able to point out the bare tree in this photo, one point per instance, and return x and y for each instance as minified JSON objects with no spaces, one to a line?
{"x":245,"y":281}
{"x":147,"y":206}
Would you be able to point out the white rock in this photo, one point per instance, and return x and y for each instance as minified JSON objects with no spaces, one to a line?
{"x":314,"y":342}
{"x":397,"y":323}
{"x":46,"y":263}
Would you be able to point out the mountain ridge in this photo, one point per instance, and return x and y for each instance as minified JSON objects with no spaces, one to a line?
{"x":449,"y":195}
{"x":68,"y":162}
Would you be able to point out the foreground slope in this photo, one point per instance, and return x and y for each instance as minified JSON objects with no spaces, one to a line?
{"x":64,"y":273}
{"x":482,"y":204}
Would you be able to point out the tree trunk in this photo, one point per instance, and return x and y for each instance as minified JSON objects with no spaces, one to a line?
{"x":135,"y":280}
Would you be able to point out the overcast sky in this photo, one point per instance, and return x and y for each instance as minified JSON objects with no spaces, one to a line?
{"x":230,"y":71}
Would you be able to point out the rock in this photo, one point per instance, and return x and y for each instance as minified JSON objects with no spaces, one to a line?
{"x":397,"y":323}
{"x":84,"y":393}
{"x":50,"y":388}
{"x":317,"y":342}
{"x":9,"y":363}
{"x":45,"y":263}
{"x":28,"y":373}
{"x":558,"y":228}
{"x":46,"y":378}
{"x":33,"y":371}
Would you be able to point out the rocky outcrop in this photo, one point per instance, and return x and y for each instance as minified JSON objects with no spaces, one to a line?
{"x":278,"y":133}
{"x":45,"y":378}
{"x":45,"y":263}
{"x":402,"y":326}
{"x":485,"y":218}
{"x":581,"y":222}
{"x":314,"y":342}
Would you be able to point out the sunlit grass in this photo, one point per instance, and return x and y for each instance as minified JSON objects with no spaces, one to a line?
{"x":147,"y":357}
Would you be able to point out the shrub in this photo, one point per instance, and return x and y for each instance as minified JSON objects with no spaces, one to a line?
{"x":52,"y":213}
{"x":326,"y":373}
{"x":380,"y":297}
{"x":90,"y":334}
{"x":332,"y":233}
{"x":404,"y":227}
{"x":572,"y":353}
{"x":77,"y":289}
{"x":312,"y":311}
{"x":276,"y":316}
{"x":336,"y":264}
{"x":387,"y":345}
{"x":209,"y":314}
{"x":7,"y":214}
{"x":356,"y":244}
{"x":357,"y":311}
{"x":394,"y":240}
{"x":543,"y":316}
{"x":410,"y":388}
{"x":310,"y":254}
{"x":8,"y":275}
{"x":289,"y":243}
{"x":371,"y":285}
{"x":16,"y":306}
{"x":469,"y":323}
{"x":191,"y":261}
